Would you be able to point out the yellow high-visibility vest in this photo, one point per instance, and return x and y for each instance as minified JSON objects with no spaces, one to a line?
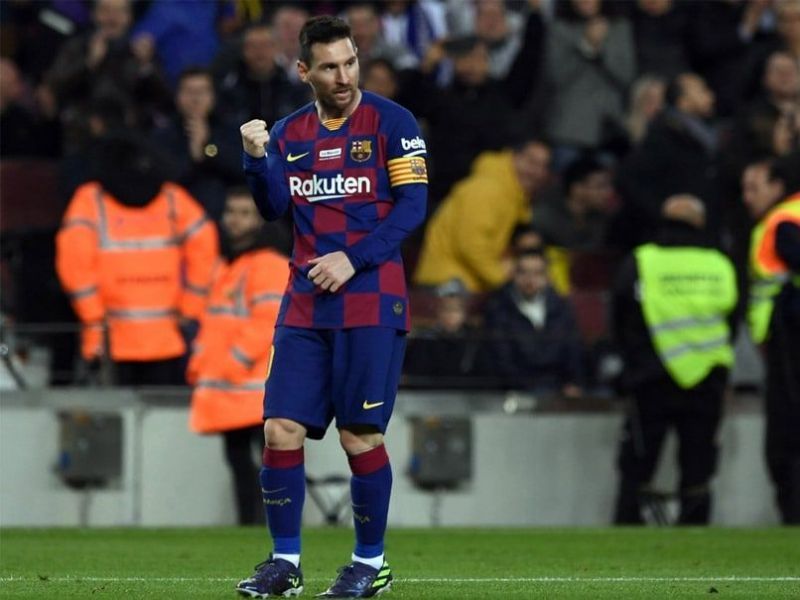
{"x":686,"y":295}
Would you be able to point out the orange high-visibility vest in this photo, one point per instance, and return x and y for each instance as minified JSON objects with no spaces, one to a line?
{"x":229,"y":364}
{"x":136,"y":269}
{"x":768,"y":272}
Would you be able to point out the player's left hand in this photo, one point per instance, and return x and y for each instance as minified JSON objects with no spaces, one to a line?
{"x":331,"y":271}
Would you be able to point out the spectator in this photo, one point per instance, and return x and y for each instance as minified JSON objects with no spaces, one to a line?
{"x":590,"y":62}
{"x":528,"y":237}
{"x":673,"y":305}
{"x":231,"y":352}
{"x":725,"y":54}
{"x":468,"y":236}
{"x":450,"y":353}
{"x":789,"y":26}
{"x":22,"y":131}
{"x":500,"y":33}
{"x":646,"y":102}
{"x":257,"y":86}
{"x":205,"y":146}
{"x":575,"y":216}
{"x":30,"y":38}
{"x":287,"y":22}
{"x":134,"y":253}
{"x":183,"y":34}
{"x":535,"y":341}
{"x":772,"y":195}
{"x":470,"y":115}
{"x":661,"y":30}
{"x":103,"y":63}
{"x":778,"y":104}
{"x":380,"y":77}
{"x":366,"y":26}
{"x":679,"y":154}
{"x":415,"y":24}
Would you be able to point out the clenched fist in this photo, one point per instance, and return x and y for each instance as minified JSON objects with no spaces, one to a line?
{"x":255,"y":137}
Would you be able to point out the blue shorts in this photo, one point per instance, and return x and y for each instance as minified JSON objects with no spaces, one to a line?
{"x":350,"y":374}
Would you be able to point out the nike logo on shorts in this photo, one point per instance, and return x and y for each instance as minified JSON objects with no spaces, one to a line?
{"x":367,"y":405}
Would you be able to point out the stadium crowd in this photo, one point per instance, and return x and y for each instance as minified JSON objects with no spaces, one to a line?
{"x":557,"y":131}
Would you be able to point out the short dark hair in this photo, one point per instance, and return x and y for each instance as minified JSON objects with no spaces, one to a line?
{"x":195,"y":71}
{"x":520,"y":143}
{"x":323,"y":29}
{"x":786,"y":169}
{"x":531,"y":253}
{"x":238,"y":190}
{"x":580,"y":169}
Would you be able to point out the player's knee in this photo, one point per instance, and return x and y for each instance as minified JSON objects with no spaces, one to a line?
{"x":359,"y":440}
{"x":283,"y":434}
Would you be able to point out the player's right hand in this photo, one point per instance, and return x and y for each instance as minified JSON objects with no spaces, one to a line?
{"x":255,"y":137}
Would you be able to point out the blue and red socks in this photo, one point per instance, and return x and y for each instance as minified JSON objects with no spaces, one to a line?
{"x":370,"y":489}
{"x":283,"y":489}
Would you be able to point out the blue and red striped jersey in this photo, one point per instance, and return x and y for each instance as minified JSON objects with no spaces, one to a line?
{"x":358,"y":185}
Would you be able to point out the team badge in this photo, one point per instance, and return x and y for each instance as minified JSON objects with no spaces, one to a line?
{"x":398,"y":308}
{"x":361,"y":150}
{"x":418,"y":168}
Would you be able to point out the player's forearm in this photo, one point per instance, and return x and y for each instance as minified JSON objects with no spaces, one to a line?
{"x":257,"y":173}
{"x":379,"y":246}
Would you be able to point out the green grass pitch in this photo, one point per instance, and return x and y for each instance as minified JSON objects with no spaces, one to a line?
{"x":428,"y":563}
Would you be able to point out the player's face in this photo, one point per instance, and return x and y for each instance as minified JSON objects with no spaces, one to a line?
{"x":333,"y":75}
{"x":240,"y":219}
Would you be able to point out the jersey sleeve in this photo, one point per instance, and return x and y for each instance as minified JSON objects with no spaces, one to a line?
{"x":267,"y":180}
{"x":406,"y":153}
{"x":408,"y":179}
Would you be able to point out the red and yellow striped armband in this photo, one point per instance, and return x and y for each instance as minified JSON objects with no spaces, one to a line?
{"x":407,"y":169}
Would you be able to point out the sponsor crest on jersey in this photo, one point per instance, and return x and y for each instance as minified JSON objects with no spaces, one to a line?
{"x":361,"y":150}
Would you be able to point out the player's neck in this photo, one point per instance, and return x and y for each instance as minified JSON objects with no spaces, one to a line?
{"x":326,"y":113}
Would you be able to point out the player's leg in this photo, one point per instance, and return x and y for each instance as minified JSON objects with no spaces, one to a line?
{"x":370,"y":490}
{"x":296,"y":404}
{"x":367,"y":369}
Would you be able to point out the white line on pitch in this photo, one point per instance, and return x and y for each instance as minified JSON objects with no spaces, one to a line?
{"x":732,"y":578}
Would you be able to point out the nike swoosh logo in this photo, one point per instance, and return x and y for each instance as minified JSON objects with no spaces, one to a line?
{"x":368,"y":405}
{"x":263,"y":491}
{"x":293,"y":157}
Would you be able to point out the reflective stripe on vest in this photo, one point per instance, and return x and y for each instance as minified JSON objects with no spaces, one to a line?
{"x":150,"y":243}
{"x":767,"y":273}
{"x":686,"y":295}
{"x":83,"y":292}
{"x":239,"y":303}
{"x":226,"y":386}
{"x":143,"y":314}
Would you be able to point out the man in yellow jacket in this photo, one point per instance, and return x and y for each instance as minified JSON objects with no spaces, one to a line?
{"x":229,"y":361}
{"x":468,"y":236}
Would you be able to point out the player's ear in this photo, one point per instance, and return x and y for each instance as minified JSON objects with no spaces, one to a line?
{"x":302,"y":70}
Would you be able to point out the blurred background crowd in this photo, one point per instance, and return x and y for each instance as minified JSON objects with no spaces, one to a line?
{"x":556,"y":131}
